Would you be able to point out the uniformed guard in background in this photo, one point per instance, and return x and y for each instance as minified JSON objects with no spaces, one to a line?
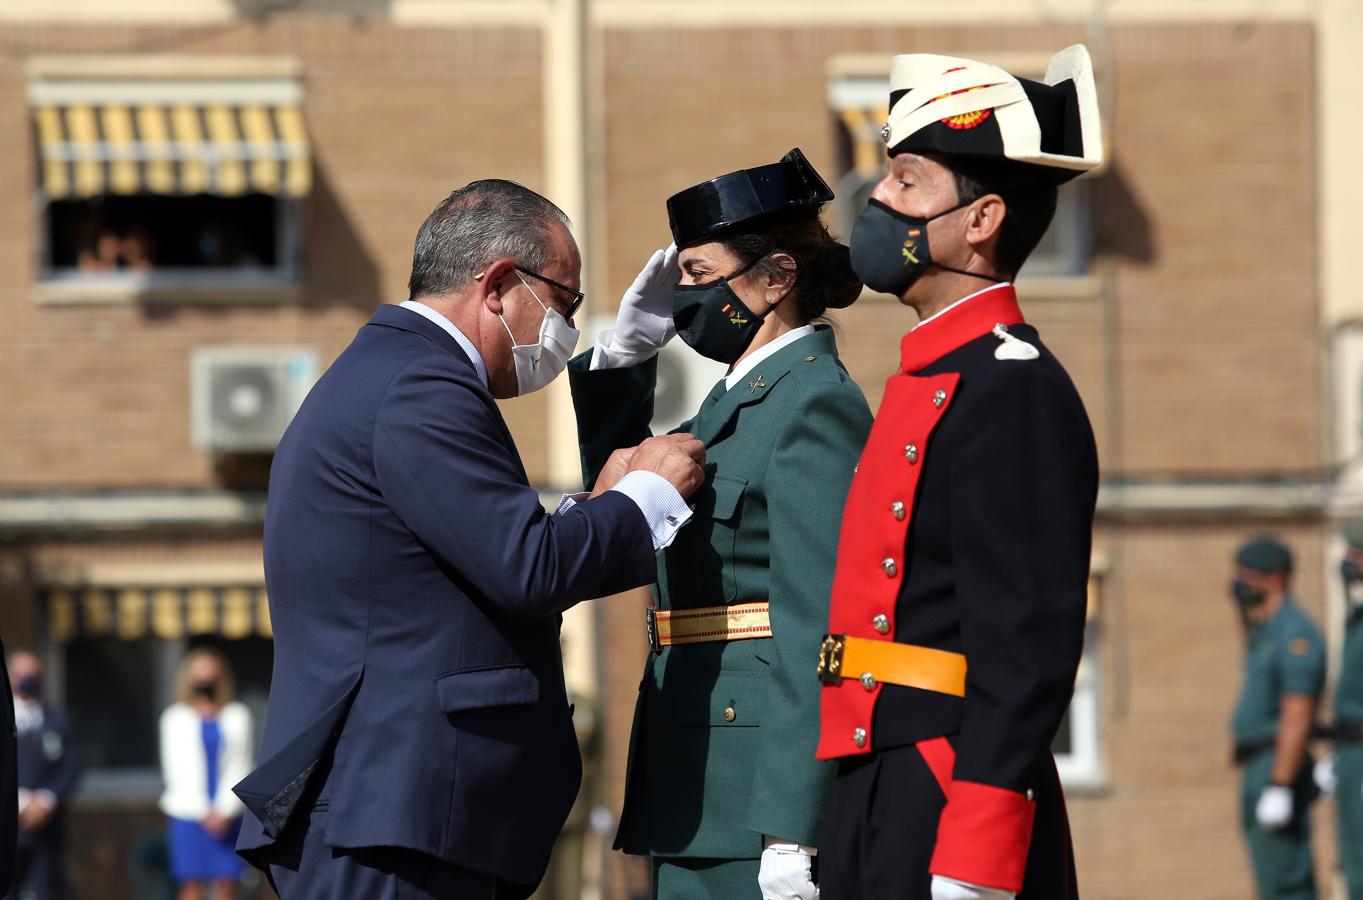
{"x":1342,"y":772}
{"x":723,"y":790}
{"x":1274,"y":719}
{"x":958,"y":606}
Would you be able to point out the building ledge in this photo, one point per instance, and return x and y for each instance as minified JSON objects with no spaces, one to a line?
{"x":78,"y":291}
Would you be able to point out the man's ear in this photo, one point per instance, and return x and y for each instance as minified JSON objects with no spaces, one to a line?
{"x":984,"y":222}
{"x":494,"y":282}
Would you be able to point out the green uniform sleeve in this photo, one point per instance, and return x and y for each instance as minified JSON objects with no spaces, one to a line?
{"x":1302,"y":664}
{"x":808,"y":477}
{"x":613,"y":407}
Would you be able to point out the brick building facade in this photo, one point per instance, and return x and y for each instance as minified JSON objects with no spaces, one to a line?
{"x":1186,"y":299}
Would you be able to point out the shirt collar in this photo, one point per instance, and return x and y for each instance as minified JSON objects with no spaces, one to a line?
{"x":28,"y":714}
{"x":750,"y":361}
{"x":960,"y":323}
{"x":453,"y":331}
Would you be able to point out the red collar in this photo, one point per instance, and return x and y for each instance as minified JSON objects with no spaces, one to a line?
{"x":957,"y":327}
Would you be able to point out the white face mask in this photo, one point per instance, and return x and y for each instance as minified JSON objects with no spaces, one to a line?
{"x":540,"y":363}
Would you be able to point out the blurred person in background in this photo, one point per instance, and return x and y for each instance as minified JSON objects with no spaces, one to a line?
{"x":1341,"y":773}
{"x":9,"y":781}
{"x":1273,"y":720}
{"x":723,"y":790}
{"x":206,"y":747}
{"x":48,"y":767}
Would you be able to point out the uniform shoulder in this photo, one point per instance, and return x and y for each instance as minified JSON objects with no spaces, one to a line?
{"x":1298,"y":625}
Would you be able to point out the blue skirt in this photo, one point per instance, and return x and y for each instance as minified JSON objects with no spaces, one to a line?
{"x":195,"y":855}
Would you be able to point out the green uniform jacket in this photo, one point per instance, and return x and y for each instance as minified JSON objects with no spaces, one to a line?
{"x":780,"y":451}
{"x":1286,"y":656}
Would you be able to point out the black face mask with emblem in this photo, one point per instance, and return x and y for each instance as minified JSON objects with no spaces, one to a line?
{"x":713,"y":321}
{"x":890,"y":249}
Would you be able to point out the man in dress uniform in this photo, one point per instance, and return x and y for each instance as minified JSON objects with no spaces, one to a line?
{"x":48,"y":767}
{"x":1284,"y":673}
{"x":958,"y":604}
{"x":1343,"y":773}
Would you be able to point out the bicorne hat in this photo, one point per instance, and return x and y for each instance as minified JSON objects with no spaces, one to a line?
{"x":1044,"y":131}
{"x":714,"y":207}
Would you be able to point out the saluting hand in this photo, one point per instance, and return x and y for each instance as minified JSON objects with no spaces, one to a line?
{"x":644,"y":323}
{"x":676,"y":457}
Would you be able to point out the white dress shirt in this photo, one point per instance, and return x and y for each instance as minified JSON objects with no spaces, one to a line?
{"x":661,"y":504}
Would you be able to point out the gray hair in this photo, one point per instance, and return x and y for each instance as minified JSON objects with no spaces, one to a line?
{"x":479,"y":223}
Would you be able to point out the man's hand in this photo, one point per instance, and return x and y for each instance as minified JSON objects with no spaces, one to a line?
{"x":614,"y":469}
{"x":216,"y":825}
{"x":1324,"y":775}
{"x":786,"y":873}
{"x":951,"y":889}
{"x":1274,"y":809}
{"x":676,"y":457}
{"x":37,"y":813}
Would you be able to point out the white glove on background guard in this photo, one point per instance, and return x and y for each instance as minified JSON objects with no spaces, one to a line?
{"x":1324,"y":775}
{"x":786,"y":872}
{"x":1274,"y":809}
{"x":951,"y":889}
{"x":644,"y":323}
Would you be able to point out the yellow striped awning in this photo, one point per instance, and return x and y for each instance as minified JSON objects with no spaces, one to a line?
{"x":136,"y":611}
{"x":228,"y":149}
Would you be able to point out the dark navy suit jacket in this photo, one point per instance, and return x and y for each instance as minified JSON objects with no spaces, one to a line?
{"x":9,"y":781}
{"x":48,"y":759}
{"x":415,"y":583}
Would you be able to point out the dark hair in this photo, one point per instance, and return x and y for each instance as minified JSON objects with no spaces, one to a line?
{"x":1028,"y":210}
{"x":481,"y":222}
{"x":824,"y":278}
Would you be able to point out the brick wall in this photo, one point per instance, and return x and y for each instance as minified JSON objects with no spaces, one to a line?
{"x":98,"y":397}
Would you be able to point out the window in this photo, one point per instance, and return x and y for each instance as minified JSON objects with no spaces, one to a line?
{"x":1076,"y":745}
{"x":114,"y":654}
{"x":859,"y":105}
{"x":175,"y":181}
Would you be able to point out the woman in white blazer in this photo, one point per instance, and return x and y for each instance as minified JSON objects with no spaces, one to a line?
{"x":206,"y":747}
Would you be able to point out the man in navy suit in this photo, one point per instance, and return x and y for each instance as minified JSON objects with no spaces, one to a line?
{"x":419,"y":741}
{"x":9,"y":780}
{"x":48,"y":767}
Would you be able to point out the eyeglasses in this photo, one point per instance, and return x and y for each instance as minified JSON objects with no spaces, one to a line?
{"x":577,"y":296}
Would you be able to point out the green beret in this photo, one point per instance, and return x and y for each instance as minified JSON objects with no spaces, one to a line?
{"x":1353,"y":533}
{"x":1264,"y":554}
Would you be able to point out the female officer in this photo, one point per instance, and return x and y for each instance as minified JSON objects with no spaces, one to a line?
{"x":723,"y":791}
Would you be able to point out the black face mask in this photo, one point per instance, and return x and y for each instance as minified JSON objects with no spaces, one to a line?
{"x":1352,"y":574}
{"x":890,"y":250}
{"x":713,"y":321}
{"x":29,"y":687}
{"x":208,"y":690}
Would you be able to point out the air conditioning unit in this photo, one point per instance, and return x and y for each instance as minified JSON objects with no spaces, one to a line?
{"x":684,"y":379}
{"x":244,"y":397}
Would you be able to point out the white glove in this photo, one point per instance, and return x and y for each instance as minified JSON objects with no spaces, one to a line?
{"x":950,"y":889}
{"x":786,"y":871}
{"x":644,"y":324}
{"x":1324,"y":775}
{"x":1274,"y":809}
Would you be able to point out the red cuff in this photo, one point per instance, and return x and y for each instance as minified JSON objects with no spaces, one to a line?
{"x":984,"y":835}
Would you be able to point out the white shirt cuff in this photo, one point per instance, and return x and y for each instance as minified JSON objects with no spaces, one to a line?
{"x":660,"y":503}
{"x":775,"y":843}
{"x":608,"y":356}
{"x":570,"y":500}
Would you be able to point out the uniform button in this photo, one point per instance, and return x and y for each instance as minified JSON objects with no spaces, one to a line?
{"x":810,"y":358}
{"x":859,"y":737}
{"x":1031,"y":795}
{"x":939,"y":398}
{"x":868,"y":681}
{"x":881,"y":623}
{"x":897,"y":510}
{"x":911,"y":453}
{"x":891,"y":570}
{"x":729,"y":714}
